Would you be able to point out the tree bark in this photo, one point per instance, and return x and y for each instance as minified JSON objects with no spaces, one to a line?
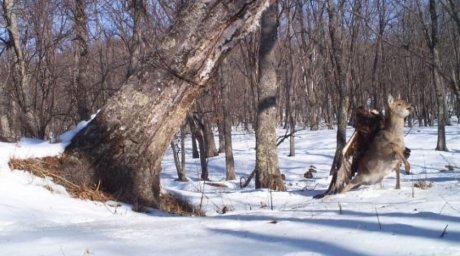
{"x":180,"y":171}
{"x":267,"y":167}
{"x":199,"y":135}
{"x":195,"y":153}
{"x":227,"y":131}
{"x":433,"y":40}
{"x":182,"y":149}
{"x":290,"y":86}
{"x":122,"y":147}
{"x":81,"y":59}
{"x":453,"y":8}
{"x":220,"y":130}
{"x":136,"y":45}
{"x":21,"y":119}
{"x":337,"y":56}
{"x":205,"y":125}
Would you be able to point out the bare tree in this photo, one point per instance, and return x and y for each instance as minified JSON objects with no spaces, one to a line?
{"x":432,"y":41}
{"x":124,"y":144}
{"x":267,"y":166}
{"x":227,"y":125}
{"x":335,"y":33}
{"x":289,"y":83}
{"x":179,"y":162}
{"x":198,"y":133}
{"x":453,"y":8}
{"x":81,"y":59}
{"x":21,"y":118}
{"x":136,"y":46}
{"x":204,"y":123}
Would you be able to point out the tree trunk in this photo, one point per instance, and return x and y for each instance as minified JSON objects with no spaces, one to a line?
{"x":337,"y":52}
{"x":178,"y":163}
{"x":199,"y":135}
{"x":453,"y":8}
{"x":227,"y":132}
{"x":182,"y":147}
{"x":290,"y":86}
{"x":433,"y":40}
{"x":267,"y":167}
{"x":81,"y":59}
{"x":136,"y":45}
{"x":122,"y":147}
{"x":21,"y":118}
{"x":195,"y":153}
{"x":208,"y":135}
{"x":330,"y":112}
{"x":220,"y":130}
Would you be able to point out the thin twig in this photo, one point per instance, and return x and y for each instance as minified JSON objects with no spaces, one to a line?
{"x":271,"y":198}
{"x":378,"y":219}
{"x":447,"y":203}
{"x":444,"y":231}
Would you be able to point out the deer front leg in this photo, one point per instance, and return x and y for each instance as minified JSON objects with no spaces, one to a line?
{"x":400,"y":154}
{"x":398,"y":181}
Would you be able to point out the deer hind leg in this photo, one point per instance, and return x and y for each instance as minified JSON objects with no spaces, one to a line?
{"x":356,"y":181}
{"x":400,"y":154}
{"x":406,"y":154}
{"x":347,"y":188}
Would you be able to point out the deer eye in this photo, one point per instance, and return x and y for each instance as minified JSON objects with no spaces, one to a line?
{"x":399,"y":104}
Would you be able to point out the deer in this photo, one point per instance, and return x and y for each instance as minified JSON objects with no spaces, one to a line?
{"x":387,"y":149}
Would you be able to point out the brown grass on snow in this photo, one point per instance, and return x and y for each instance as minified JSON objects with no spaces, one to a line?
{"x":48,"y":167}
{"x":171,"y":204}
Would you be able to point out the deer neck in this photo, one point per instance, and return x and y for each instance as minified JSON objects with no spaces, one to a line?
{"x":395,"y":125}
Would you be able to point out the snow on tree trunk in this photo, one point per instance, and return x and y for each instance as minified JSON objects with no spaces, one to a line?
{"x":124,"y":144}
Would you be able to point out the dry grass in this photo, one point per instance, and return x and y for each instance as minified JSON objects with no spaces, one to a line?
{"x":172,"y":204}
{"x":450,"y":167}
{"x":216,"y":184}
{"x":423,"y":184}
{"x":49,"y":167}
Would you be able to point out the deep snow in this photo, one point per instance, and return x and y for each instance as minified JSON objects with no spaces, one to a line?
{"x":367,"y":221}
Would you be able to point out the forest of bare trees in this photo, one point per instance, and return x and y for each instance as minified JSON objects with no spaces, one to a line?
{"x":62,"y":60}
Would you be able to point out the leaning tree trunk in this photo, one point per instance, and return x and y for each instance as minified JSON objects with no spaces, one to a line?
{"x":337,"y":56}
{"x":267,"y":167}
{"x":124,"y":144}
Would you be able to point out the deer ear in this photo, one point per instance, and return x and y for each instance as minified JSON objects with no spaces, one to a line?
{"x":390,"y":99}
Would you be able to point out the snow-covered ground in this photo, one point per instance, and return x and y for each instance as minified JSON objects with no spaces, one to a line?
{"x":37,"y":220}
